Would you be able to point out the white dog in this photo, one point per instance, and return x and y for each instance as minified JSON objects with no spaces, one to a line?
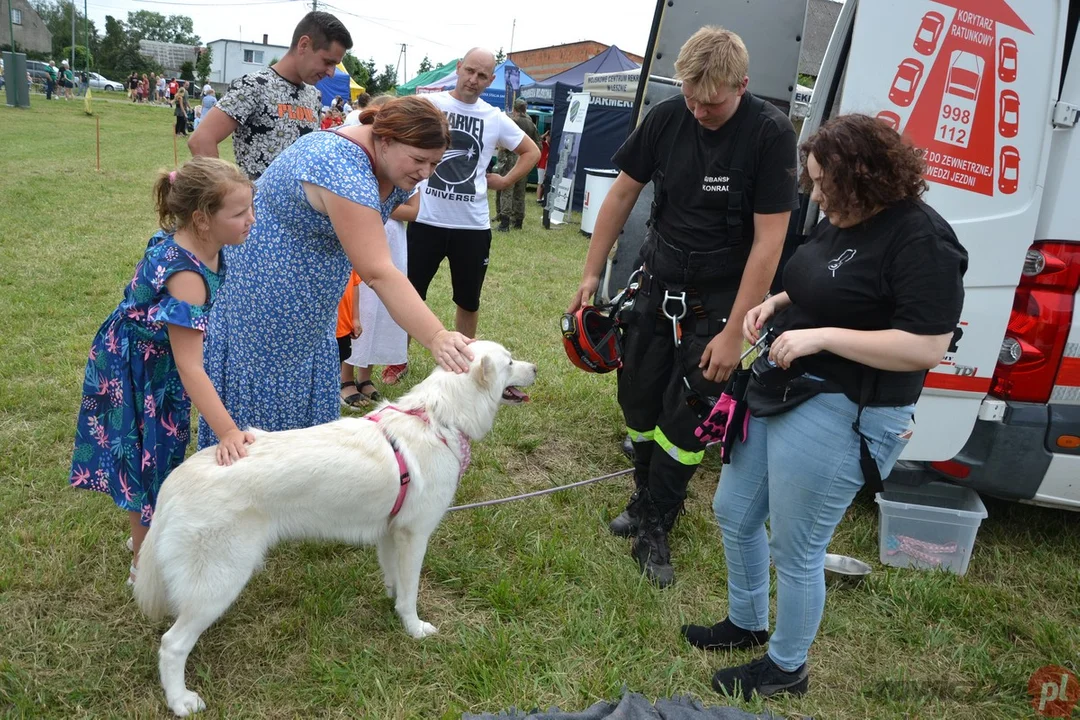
{"x":385,"y":479}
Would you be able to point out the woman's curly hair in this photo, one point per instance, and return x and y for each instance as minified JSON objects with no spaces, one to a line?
{"x":865,"y":165}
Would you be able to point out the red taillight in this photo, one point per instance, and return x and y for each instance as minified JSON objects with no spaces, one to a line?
{"x":1039,"y":323}
{"x":952,"y":468}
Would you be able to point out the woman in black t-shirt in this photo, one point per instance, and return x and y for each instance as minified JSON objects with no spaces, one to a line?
{"x":872,"y":300}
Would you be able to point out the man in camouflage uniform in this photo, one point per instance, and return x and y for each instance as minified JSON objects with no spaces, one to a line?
{"x":511,"y":202}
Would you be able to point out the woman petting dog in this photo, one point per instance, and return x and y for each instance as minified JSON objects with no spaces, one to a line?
{"x":145,"y":366}
{"x":871,"y":302}
{"x":321,"y":206}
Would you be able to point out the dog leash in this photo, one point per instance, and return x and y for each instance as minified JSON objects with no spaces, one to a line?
{"x":538,"y":493}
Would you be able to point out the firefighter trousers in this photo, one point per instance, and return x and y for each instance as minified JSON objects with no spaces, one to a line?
{"x":652,"y":392}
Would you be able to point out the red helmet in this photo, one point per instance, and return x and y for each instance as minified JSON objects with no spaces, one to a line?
{"x":591,"y":340}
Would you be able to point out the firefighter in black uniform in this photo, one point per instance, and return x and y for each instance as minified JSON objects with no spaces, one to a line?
{"x":722,"y":163}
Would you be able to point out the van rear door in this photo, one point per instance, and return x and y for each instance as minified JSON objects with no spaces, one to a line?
{"x":973,"y":83}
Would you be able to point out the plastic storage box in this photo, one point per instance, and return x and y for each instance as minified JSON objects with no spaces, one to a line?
{"x":931,"y":526}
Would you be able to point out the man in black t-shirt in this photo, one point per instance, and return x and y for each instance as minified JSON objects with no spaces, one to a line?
{"x":722,"y":163}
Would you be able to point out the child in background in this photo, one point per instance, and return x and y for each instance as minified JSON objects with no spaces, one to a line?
{"x":145,"y":367}
{"x":332,"y":119}
{"x":348,"y":327}
{"x":384,"y":342}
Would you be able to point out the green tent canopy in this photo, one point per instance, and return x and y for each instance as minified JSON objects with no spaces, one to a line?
{"x":427,"y":78}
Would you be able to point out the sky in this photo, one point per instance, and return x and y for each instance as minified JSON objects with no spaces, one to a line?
{"x":439,"y":29}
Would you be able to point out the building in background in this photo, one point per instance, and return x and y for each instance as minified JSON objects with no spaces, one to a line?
{"x":231,"y":59}
{"x":30,"y":31}
{"x":542,"y":63}
{"x":170,"y":56}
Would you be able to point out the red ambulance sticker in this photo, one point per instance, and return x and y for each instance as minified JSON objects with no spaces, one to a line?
{"x":959,"y":96}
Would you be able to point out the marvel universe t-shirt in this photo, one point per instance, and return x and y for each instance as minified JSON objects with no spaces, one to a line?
{"x":271,"y":113}
{"x":902,"y":269}
{"x":694,"y":162}
{"x":455,"y":196}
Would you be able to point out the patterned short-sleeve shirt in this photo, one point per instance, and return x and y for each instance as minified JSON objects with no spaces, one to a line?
{"x":271,"y":113}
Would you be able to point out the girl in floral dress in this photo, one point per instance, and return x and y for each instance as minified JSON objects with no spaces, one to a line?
{"x":145,"y":365}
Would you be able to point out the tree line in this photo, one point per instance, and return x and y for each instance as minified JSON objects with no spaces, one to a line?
{"x":115,"y":53}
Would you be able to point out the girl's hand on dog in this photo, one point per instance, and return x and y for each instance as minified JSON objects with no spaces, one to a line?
{"x":451,"y":351}
{"x":231,"y":446}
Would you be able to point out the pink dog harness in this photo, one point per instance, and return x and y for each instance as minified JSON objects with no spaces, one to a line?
{"x":403,"y":469}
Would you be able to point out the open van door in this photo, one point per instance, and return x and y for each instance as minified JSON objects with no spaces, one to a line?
{"x":973,"y":83}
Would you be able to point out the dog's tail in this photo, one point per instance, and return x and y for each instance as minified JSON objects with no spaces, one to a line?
{"x":150,"y":591}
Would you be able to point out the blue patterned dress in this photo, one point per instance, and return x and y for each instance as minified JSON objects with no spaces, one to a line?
{"x":271,"y":350}
{"x":135,"y":419}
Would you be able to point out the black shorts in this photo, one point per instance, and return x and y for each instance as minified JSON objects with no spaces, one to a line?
{"x":344,"y":348}
{"x":468,"y":251}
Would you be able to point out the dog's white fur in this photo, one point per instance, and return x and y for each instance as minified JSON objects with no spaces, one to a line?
{"x":213,"y":524}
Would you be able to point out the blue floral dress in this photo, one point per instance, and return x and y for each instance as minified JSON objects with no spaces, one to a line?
{"x":135,"y":419}
{"x":271,"y":350}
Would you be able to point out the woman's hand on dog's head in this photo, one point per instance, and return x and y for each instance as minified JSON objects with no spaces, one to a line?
{"x":451,"y":351}
{"x":231,"y":446}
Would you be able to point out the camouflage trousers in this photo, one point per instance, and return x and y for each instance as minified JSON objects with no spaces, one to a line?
{"x":510,"y":203}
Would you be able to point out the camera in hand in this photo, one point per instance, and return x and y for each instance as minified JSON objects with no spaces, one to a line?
{"x":769,"y":374}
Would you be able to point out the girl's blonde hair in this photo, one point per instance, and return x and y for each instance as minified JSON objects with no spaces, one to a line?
{"x":200,"y":184}
{"x":712,"y":59}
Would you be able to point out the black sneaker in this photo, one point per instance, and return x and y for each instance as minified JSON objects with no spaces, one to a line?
{"x":762,"y":676}
{"x":724,"y":635}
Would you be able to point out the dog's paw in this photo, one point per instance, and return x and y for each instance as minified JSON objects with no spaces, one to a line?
{"x":187,"y":703}
{"x":422,"y":630}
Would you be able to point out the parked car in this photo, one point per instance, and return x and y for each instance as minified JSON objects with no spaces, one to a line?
{"x":99,"y":82}
{"x":38,"y":72}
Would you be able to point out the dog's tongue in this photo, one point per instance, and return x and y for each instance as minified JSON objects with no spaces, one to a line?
{"x":512,"y":393}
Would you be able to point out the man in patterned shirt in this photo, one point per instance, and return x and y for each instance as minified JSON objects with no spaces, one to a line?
{"x":266,"y":111}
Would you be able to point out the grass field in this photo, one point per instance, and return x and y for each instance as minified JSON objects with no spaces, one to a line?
{"x":536,"y":603}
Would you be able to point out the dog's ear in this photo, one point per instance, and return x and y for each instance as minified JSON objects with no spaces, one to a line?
{"x":485,"y":374}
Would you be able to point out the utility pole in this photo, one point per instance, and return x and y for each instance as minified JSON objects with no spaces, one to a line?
{"x":314,"y":5}
{"x":86,"y":25}
{"x":513,"y":29}
{"x":397,"y":70}
{"x":11,"y":30}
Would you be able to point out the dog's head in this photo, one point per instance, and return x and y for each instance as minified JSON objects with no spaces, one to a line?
{"x":469,"y":401}
{"x":493,"y":369}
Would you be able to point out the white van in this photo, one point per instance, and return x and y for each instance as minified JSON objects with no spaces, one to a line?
{"x":995,"y":112}
{"x":990,"y":89}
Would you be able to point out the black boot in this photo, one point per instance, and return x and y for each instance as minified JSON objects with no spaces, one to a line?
{"x":651,"y":544}
{"x":626,"y":524}
{"x":518,"y":224}
{"x":504,"y":225}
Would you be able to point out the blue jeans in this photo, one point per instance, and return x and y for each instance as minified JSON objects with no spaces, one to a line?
{"x":800,"y":470}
